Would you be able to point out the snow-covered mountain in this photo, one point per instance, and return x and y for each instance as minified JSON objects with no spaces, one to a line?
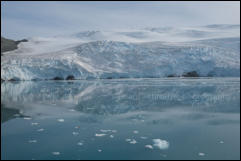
{"x":212,"y":50}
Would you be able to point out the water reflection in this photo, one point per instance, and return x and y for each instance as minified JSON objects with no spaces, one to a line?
{"x":116,"y":97}
{"x":121,"y":119}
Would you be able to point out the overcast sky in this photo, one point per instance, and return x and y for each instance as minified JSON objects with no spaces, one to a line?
{"x":28,"y":19}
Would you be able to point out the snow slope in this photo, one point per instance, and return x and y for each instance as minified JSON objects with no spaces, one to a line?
{"x":212,"y":50}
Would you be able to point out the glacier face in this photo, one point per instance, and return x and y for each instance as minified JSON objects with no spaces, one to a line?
{"x":212,"y":50}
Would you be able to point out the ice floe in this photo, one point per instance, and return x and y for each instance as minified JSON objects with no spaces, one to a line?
{"x":221,"y":142}
{"x":149,"y":146}
{"x":34,"y":123}
{"x":100,"y":135}
{"x":161,"y":144}
{"x":40,"y":130}
{"x":80,"y":143}
{"x":143,"y":137}
{"x":135,"y":132}
{"x":105,"y":131}
{"x":27,"y":118}
{"x":133,"y":141}
{"x":75,"y":133}
{"x":56,"y":153}
{"x":32,"y":141}
{"x":201,"y":154}
{"x":60,"y":120}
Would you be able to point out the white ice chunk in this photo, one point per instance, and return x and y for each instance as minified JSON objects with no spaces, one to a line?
{"x":201,"y":154}
{"x":133,"y":141}
{"x":149,"y":146}
{"x":60,"y":120}
{"x":75,"y":133}
{"x":161,"y":144}
{"x":135,"y":132}
{"x":80,"y":144}
{"x":56,"y":153}
{"x":34,"y":123}
{"x":40,"y":130}
{"x":143,"y":137}
{"x":32,"y":141}
{"x":99,"y":135}
{"x":27,"y":118}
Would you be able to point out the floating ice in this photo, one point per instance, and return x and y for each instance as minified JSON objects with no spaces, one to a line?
{"x":56,"y":153}
{"x":76,"y":127}
{"x":99,"y":135}
{"x":40,"y":130}
{"x":111,"y":136}
{"x":201,"y":154}
{"x":27,"y":118}
{"x":80,"y":144}
{"x":75,"y":133}
{"x":149,"y":146}
{"x":161,"y":144}
{"x":135,"y":132}
{"x":32,"y":141}
{"x":128,"y":140}
{"x":72,"y":110}
{"x":99,"y":150}
{"x":34,"y":123}
{"x":133,"y":141}
{"x":114,"y":131}
{"x":105,"y":131}
{"x":221,"y":142}
{"x":143,"y":137}
{"x":60,"y":120}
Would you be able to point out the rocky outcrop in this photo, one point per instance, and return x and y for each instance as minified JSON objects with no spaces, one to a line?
{"x":70,"y":77}
{"x":191,"y":74}
{"x":9,"y":45}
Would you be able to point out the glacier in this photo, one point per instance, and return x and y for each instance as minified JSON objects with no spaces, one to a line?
{"x":210,"y":51}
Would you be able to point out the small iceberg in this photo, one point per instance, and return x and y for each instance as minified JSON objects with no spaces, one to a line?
{"x":133,"y":141}
{"x":34,"y":123}
{"x":27,"y":118}
{"x":75,"y":133}
{"x":100,"y":135}
{"x":60,"y":120}
{"x":161,"y":144}
{"x":149,"y":146}
{"x":80,"y":144}
{"x":201,"y":154}
{"x":40,"y":130}
{"x":32,"y":141}
{"x":56,"y":153}
{"x":143,"y":137}
{"x":135,"y":132}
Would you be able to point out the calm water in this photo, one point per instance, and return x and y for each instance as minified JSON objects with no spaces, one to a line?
{"x":121,"y":119}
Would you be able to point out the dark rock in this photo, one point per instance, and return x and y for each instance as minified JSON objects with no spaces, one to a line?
{"x":9,"y":45}
{"x":58,"y":78}
{"x":191,"y":74}
{"x":70,"y":77}
{"x":13,"y":79}
{"x":172,"y":75}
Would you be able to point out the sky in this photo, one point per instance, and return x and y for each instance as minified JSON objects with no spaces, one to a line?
{"x":35,"y":18}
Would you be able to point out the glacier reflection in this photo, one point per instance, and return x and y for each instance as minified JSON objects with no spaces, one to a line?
{"x":110,"y":97}
{"x":97,"y":119}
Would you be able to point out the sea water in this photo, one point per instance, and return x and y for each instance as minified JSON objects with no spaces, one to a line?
{"x":172,"y":118}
